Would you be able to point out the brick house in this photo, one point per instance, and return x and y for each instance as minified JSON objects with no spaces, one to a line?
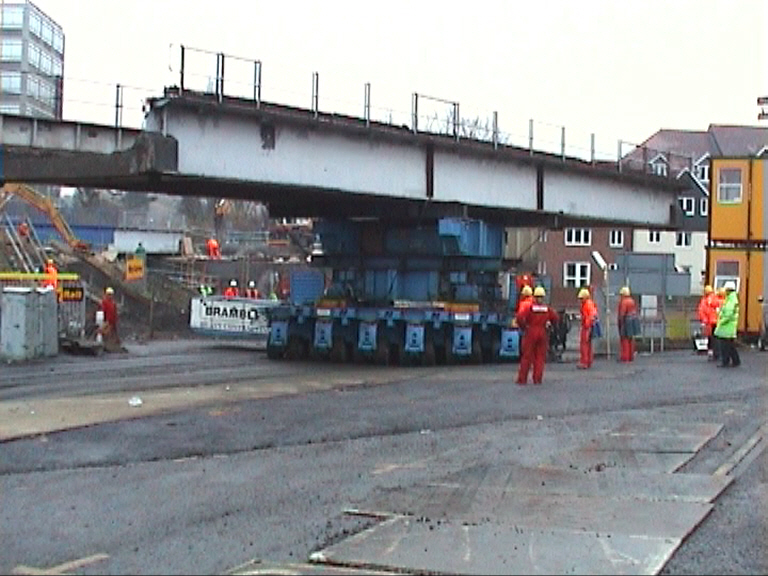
{"x":565,"y":256}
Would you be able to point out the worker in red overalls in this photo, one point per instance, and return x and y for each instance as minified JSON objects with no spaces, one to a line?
{"x":628,"y":325}
{"x":232,"y":290}
{"x":704,"y":311}
{"x":108,"y":329}
{"x":252,"y":292}
{"x":526,"y":298}
{"x":535,"y":320}
{"x":588,"y":318}
{"x":213,"y":248}
{"x":51,"y":275}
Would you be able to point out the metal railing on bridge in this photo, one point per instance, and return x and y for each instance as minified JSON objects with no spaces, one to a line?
{"x":229,"y":76}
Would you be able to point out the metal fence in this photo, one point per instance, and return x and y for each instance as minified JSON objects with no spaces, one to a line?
{"x":670,"y":324}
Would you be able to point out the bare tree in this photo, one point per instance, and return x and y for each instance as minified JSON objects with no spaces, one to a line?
{"x":473,"y":129}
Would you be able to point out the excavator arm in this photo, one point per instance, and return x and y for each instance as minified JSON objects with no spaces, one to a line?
{"x":44,"y":204}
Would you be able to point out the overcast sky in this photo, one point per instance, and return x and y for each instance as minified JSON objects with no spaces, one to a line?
{"x":618,"y":68}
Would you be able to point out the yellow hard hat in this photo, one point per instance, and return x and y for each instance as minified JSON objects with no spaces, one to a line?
{"x":624,"y":291}
{"x":539,"y":291}
{"x":526,"y":291}
{"x":583,"y":293}
{"x":708,"y":289}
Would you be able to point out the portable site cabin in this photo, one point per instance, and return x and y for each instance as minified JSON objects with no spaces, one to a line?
{"x":738,"y":237}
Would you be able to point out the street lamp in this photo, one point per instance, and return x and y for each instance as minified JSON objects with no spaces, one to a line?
{"x":603,"y":265}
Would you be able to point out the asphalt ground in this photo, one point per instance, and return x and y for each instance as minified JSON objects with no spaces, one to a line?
{"x":206,"y":399}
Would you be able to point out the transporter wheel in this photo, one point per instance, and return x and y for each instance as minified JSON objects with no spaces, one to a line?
{"x":491,"y":351}
{"x":339,"y":351}
{"x":297,"y":349}
{"x":274,"y":352}
{"x":430,"y":357}
{"x":477,"y":352}
{"x":381,"y":355}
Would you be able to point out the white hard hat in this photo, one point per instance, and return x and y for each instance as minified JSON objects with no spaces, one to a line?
{"x":251,"y":284}
{"x":233,"y":282}
{"x":109,"y":290}
{"x":730,"y":285}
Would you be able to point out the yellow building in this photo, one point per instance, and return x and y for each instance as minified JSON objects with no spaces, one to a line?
{"x":738,"y":241}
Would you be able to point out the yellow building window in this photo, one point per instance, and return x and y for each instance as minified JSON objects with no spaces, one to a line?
{"x":729,"y":187}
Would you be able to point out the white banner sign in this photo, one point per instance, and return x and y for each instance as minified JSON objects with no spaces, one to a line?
{"x":230,"y":316}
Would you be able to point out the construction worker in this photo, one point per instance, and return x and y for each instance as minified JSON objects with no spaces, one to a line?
{"x":588,"y":319}
{"x":629,"y":325}
{"x":232,"y":290}
{"x":52,"y":275}
{"x":718,"y":297}
{"x":108,"y":329}
{"x":205,"y":290}
{"x":535,"y":319}
{"x":252,"y":292}
{"x":526,"y":298}
{"x":213,"y":248}
{"x":727,"y":324}
{"x":707,"y":312}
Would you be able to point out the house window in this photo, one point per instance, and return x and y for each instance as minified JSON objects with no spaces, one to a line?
{"x":541,"y":268}
{"x":659,"y":168}
{"x":688,"y":205}
{"x":13,"y":17}
{"x":616,"y":239}
{"x":33,"y":87}
{"x":10,"y":82}
{"x":704,"y":206}
{"x":654,"y":237}
{"x":34,"y":55}
{"x":576,"y":274}
{"x":702,"y":172}
{"x":47,"y":34}
{"x":578,"y":237}
{"x":729,"y":186}
{"x":9,"y":108}
{"x":683,"y":240}
{"x":35,"y":23}
{"x":58,"y":41}
{"x":10,"y":51}
{"x":727,"y":270}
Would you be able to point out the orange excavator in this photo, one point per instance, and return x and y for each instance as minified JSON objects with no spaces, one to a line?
{"x":44,"y":204}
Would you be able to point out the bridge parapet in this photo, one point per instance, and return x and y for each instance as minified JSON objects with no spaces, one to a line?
{"x":62,"y":135}
{"x":37,"y":150}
